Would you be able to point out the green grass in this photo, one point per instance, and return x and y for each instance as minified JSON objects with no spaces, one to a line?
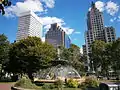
{"x":26,"y":83}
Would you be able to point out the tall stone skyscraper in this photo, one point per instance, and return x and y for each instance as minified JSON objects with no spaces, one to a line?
{"x":96,"y":31}
{"x":29,"y":24}
{"x":95,"y":23}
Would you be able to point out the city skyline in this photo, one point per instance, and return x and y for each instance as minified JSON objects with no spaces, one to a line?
{"x":73,"y":21}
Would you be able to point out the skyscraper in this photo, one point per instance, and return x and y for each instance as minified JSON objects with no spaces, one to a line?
{"x":96,"y":31}
{"x":57,"y":36}
{"x":109,"y":34}
{"x":95,"y":23}
{"x":29,"y":24}
{"x":67,"y":41}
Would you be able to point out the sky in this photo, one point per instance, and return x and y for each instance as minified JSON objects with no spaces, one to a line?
{"x":71,"y":15}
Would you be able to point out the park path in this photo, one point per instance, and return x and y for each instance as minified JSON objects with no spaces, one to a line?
{"x":6,"y":86}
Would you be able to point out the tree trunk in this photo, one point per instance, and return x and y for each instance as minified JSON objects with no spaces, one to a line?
{"x":30,"y":75}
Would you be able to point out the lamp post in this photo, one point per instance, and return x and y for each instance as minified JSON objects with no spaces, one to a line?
{"x":58,"y":52}
{"x":93,"y":71}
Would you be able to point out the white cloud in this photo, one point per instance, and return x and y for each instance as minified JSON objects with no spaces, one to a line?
{"x":118,"y":19}
{"x":77,"y":32}
{"x":50,"y":20}
{"x":100,"y":5}
{"x":75,"y":39}
{"x":112,"y":8}
{"x":68,"y":30}
{"x":46,"y":27}
{"x":49,"y":3}
{"x":28,"y":5}
{"x":47,"y":21}
{"x":113,"y":19}
{"x":37,"y":6}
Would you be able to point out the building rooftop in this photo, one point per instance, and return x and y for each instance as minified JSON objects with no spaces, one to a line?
{"x":30,"y":13}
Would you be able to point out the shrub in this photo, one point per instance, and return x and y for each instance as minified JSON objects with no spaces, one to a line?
{"x":59,"y":83}
{"x":91,"y":82}
{"x":5,"y":79}
{"x":45,"y":86}
{"x":72,"y":83}
{"x":51,"y":86}
{"x":48,"y":86}
{"x":82,"y":86}
{"x":25,"y":82}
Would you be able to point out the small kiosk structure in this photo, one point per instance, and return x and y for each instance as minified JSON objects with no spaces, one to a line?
{"x":109,"y":86}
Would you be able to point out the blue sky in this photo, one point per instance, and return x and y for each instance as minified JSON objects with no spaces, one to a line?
{"x":69,"y":14}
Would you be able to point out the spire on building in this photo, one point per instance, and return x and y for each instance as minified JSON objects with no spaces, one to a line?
{"x":93,"y":4}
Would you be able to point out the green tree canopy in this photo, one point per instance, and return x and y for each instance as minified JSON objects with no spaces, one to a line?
{"x":73,"y":56}
{"x":97,"y":54}
{"x":4,"y":50}
{"x":115,"y":54}
{"x":29,"y":55}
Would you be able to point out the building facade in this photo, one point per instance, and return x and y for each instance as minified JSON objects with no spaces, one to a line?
{"x":110,"y":35}
{"x":57,"y":37}
{"x":96,"y":31}
{"x":84,"y":49}
{"x":29,"y":24}
{"x":67,"y":41}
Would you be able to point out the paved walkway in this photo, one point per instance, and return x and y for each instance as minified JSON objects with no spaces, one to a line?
{"x":5,"y":86}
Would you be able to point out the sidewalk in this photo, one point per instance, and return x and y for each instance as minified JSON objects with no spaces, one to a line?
{"x":5,"y":86}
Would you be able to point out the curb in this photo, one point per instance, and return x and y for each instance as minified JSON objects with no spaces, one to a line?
{"x":16,"y":88}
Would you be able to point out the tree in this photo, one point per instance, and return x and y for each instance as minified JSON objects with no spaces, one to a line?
{"x":4,"y":49}
{"x":115,"y":55}
{"x":4,"y":3}
{"x":64,"y":53}
{"x":73,"y":56}
{"x":97,"y":56}
{"x":29,"y":55}
{"x":106,"y":56}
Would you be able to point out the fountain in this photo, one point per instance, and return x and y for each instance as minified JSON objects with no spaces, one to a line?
{"x":61,"y":70}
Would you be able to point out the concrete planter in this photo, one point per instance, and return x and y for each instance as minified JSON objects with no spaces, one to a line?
{"x":18,"y":88}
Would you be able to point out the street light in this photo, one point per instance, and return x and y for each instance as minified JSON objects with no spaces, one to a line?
{"x":93,"y":71}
